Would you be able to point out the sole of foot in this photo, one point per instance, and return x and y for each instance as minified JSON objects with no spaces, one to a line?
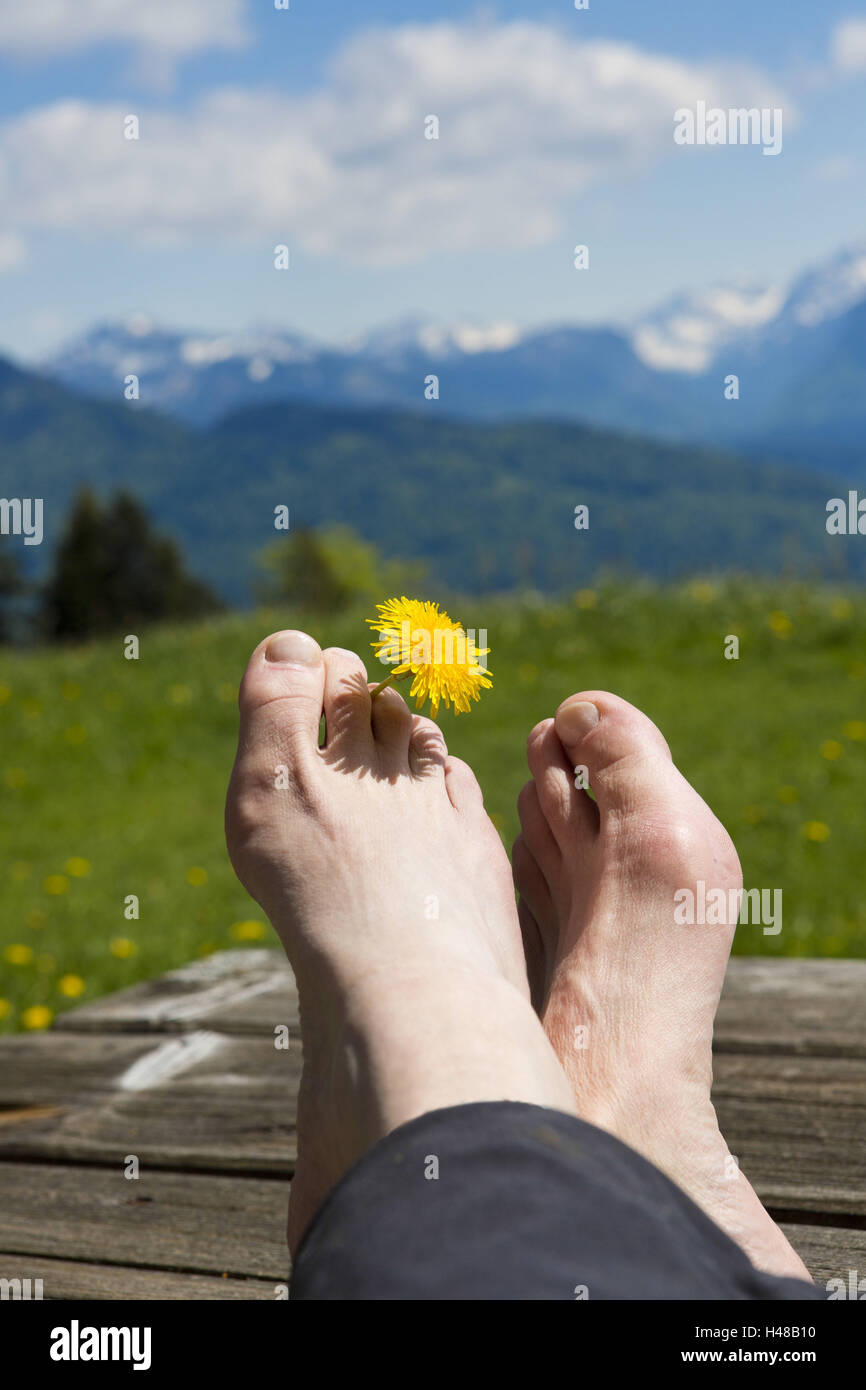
{"x":390,"y":890}
{"x":611,"y":835}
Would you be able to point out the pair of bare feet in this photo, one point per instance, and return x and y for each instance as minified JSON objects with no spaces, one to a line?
{"x":422,"y":985}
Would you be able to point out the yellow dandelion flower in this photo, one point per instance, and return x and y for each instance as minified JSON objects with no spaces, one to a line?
{"x":831,"y":750}
{"x":816,"y":831}
{"x":5,"y":1008}
{"x":196,"y":876}
{"x":75,"y":734}
{"x":421,"y":640}
{"x":77,"y":867}
{"x":180,"y":694}
{"x":248,"y":931}
{"x":17,"y":954}
{"x":857,"y":669}
{"x":71,"y":986}
{"x":122,"y":947}
{"x":37,"y":1016}
{"x":788,"y":795}
{"x":855,"y":729}
{"x":56,"y":884}
{"x":781,"y":624}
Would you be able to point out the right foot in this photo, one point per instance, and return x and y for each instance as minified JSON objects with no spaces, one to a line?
{"x":391,"y":892}
{"x":626,"y":995}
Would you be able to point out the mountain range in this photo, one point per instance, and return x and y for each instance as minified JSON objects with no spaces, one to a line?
{"x":799,"y":353}
{"x":488,"y":505}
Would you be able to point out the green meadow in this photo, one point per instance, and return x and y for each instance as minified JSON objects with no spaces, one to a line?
{"x":114,"y":771}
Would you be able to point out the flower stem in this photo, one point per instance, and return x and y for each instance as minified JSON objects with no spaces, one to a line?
{"x":389,"y":680}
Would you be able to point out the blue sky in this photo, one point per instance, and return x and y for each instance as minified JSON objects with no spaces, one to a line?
{"x":306,"y":127}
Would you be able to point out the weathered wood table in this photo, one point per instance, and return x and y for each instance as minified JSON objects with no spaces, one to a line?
{"x":184,"y":1077}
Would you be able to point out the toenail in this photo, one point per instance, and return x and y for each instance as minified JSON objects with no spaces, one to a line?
{"x":573,"y":721}
{"x":294,"y":647}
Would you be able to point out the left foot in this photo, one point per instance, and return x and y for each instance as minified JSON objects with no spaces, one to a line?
{"x":627,"y":995}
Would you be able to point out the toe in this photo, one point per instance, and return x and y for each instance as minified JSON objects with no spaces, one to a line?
{"x":282,"y":689}
{"x":428,"y":754}
{"x":569,"y":812}
{"x":537,"y":834}
{"x":346,"y":704}
{"x":532,"y":884}
{"x":391,"y":721}
{"x":462,"y":786}
{"x":627,"y":759}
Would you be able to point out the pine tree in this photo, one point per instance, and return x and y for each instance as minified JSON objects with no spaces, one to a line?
{"x":11,"y":585}
{"x":113,"y":571}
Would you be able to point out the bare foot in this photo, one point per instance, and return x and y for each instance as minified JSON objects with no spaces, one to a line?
{"x":391,"y":892}
{"x":626,"y":995}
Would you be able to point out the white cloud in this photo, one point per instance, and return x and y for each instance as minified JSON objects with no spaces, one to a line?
{"x":43,"y":28}
{"x":848,"y":45}
{"x":529,"y":118}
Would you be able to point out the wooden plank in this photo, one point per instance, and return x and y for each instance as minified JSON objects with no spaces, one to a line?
{"x":165,"y":1221}
{"x":83,"y":1098}
{"x":798,"y":1127}
{"x":249,"y":991}
{"x":812,"y":1007}
{"x":71,"y":1279}
{"x":828,"y":1252}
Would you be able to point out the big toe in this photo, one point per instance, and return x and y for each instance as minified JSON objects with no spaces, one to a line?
{"x":624,"y":758}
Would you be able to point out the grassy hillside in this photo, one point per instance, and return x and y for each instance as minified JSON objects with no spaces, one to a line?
{"x":114,"y":771}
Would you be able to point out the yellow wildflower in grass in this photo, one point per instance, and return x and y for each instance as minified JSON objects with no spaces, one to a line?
{"x":71,"y":986}
{"x":831,"y":750}
{"x":122,"y":947}
{"x":16,"y":954}
{"x":428,"y":645}
{"x":75,"y":734}
{"x":196,"y":876}
{"x":841,"y":608}
{"x":248,"y":931}
{"x":788,"y":795}
{"x":5,"y":1008}
{"x":77,"y":867}
{"x":71,"y":690}
{"x":180,"y":694}
{"x":855,"y":729}
{"x":781,"y":624}
{"x":16,"y":778}
{"x":702,"y":591}
{"x":37,"y":1016}
{"x":56,"y":884}
{"x":816,"y":831}
{"x":857,"y":669}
